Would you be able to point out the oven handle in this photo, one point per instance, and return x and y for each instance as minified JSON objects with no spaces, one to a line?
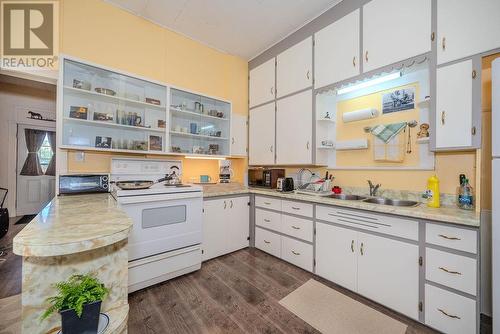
{"x":158,"y":198}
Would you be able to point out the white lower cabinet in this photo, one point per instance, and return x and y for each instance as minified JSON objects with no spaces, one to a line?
{"x":268,"y":241}
{"x":225,"y":226}
{"x":297,"y":252}
{"x":449,"y":312}
{"x":388,"y":273}
{"x":382,"y":269}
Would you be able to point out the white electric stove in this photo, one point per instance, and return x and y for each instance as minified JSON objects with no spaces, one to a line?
{"x":165,"y":240}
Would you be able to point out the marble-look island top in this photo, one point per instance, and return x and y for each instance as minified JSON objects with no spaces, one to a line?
{"x":73,"y":224}
{"x":446,"y":214}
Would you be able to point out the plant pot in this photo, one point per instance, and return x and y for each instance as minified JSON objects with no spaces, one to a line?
{"x":87,"y":324}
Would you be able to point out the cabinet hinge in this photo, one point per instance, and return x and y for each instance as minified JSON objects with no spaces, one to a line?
{"x":202,"y":210}
{"x":202,"y":251}
{"x":420,"y":306}
{"x":248,"y":238}
{"x":314,"y":262}
{"x":314,"y":231}
{"x":420,"y":261}
{"x":248,"y":203}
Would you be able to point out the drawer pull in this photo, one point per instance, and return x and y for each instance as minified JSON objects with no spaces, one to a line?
{"x":267,"y":203}
{"x":267,"y":242}
{"x":361,"y":250}
{"x":295,"y":253}
{"x":352,"y":246}
{"x":295,"y":208}
{"x":450,"y":271}
{"x":267,"y":220}
{"x":295,"y":227}
{"x":449,"y":315}
{"x":448,"y":238}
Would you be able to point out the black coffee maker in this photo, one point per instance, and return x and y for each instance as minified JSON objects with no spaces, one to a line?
{"x":4,"y":215}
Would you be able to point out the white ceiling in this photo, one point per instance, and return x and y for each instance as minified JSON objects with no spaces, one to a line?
{"x":240,"y":27}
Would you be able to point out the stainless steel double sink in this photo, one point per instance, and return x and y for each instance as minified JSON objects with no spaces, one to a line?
{"x":375,"y":200}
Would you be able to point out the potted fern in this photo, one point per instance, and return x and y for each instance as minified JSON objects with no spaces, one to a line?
{"x":79,"y":303}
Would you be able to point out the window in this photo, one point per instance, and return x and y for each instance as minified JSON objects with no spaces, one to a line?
{"x":45,"y":154}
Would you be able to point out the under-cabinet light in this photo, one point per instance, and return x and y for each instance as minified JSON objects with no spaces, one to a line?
{"x":369,"y":83}
{"x":202,"y":157}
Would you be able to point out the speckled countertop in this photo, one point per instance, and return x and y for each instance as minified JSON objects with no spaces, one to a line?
{"x":447,"y":214}
{"x":73,"y":224}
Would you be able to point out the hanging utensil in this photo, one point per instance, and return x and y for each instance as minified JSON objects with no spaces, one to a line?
{"x":411,"y":124}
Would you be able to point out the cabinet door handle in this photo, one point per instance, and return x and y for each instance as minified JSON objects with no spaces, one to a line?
{"x":267,"y":242}
{"x":308,"y":74}
{"x":232,"y":140}
{"x":474,"y":74}
{"x":307,"y":145}
{"x":295,"y":253}
{"x":225,"y":205}
{"x":433,"y":36}
{"x":267,"y":203}
{"x":443,"y":117}
{"x":448,"y":238}
{"x":295,"y":208}
{"x":271,"y":148}
{"x":449,"y":315}
{"x":231,"y":204}
{"x":450,"y":271}
{"x":443,"y":43}
{"x":354,"y":61}
{"x":361,"y":250}
{"x":272,"y":91}
{"x":352,"y":246}
{"x":295,"y":227}
{"x":366,"y":56}
{"x":267,"y":220}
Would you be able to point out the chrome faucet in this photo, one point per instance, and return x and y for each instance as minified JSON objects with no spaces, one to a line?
{"x":373,"y":188}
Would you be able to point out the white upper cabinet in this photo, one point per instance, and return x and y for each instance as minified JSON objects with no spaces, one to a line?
{"x":395,"y":30}
{"x":465,"y":28}
{"x":262,"y":86}
{"x":454,"y":106}
{"x":294,"y":68}
{"x":262,"y":135}
{"x":239,"y":135}
{"x":294,"y":129}
{"x":336,"y":51}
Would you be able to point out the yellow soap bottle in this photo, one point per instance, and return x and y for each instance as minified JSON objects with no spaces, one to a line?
{"x":433,"y":192}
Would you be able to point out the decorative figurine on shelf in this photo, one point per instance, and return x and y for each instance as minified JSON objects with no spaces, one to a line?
{"x":35,"y":115}
{"x":327,"y":116}
{"x":424,"y":131}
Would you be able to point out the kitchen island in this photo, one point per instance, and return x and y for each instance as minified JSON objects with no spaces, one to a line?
{"x":74,"y":235}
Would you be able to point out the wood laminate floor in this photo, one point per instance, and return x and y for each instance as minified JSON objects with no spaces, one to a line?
{"x":236,"y":293}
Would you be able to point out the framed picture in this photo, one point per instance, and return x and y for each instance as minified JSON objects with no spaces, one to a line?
{"x":155,"y":143}
{"x":103,"y":117}
{"x":398,"y":100}
{"x":78,"y":112}
{"x":103,"y":142}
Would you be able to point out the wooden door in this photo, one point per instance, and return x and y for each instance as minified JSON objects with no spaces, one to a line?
{"x":294,"y":68}
{"x":466,"y":28}
{"x":336,"y":256}
{"x":336,"y":51}
{"x":454,"y":106}
{"x":294,"y":129}
{"x":262,"y":135}
{"x":388,"y":273}
{"x":394,"y":30}
{"x":262,"y":88}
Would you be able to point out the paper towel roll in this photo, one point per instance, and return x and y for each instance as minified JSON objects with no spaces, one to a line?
{"x":359,"y":115}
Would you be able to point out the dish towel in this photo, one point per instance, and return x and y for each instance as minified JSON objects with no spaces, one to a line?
{"x":388,"y":131}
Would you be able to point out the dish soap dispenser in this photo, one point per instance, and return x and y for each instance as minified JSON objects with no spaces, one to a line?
{"x":466,"y":196}
{"x":433,"y":192}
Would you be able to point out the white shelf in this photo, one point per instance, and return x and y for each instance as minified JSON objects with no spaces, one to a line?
{"x":90,"y":148}
{"x":424,"y":104}
{"x":187,"y":134}
{"x":104,"y":97}
{"x":422,"y":140}
{"x":326,"y":147}
{"x":113,"y":125}
{"x":326,"y":120}
{"x":195,"y":114}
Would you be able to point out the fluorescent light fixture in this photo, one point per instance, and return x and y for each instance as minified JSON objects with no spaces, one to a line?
{"x":202,"y":157}
{"x":369,"y":83}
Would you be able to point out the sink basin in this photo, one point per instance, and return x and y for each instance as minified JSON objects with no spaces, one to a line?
{"x":391,"y":202}
{"x":347,"y":197}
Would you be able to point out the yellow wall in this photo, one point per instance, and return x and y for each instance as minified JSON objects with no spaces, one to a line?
{"x":96,"y":31}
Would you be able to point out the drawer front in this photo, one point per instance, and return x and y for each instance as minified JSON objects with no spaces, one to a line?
{"x":455,"y":271}
{"x":297,"y":227}
{"x":267,"y":241}
{"x":400,"y":227}
{"x":451,"y":237}
{"x":449,"y":312}
{"x":268,"y":219}
{"x":297,"y":253}
{"x":268,"y":203}
{"x":297,"y":208}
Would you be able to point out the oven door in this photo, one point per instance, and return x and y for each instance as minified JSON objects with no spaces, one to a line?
{"x":163,"y":222}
